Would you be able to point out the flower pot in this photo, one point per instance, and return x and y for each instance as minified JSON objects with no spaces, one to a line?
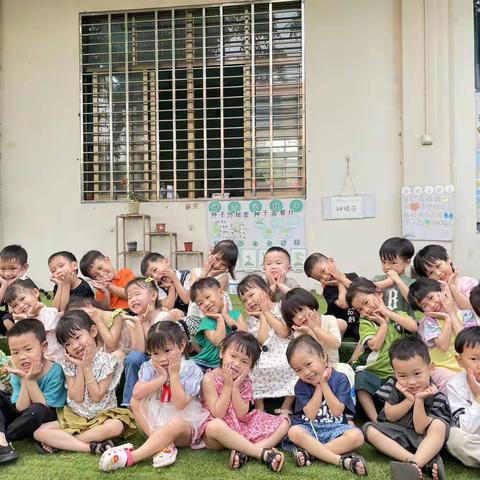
{"x":188,"y":246}
{"x":131,"y":246}
{"x":160,"y":227}
{"x":133,"y":207}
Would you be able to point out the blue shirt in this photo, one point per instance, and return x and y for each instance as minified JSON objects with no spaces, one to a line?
{"x":52,"y":385}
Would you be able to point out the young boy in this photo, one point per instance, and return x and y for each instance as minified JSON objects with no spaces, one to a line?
{"x":276,"y":263}
{"x":38,"y":387}
{"x":218,"y":322}
{"x":395,"y":255}
{"x":110,"y":283}
{"x":172,"y":284}
{"x":463,"y":393}
{"x":414,"y":424}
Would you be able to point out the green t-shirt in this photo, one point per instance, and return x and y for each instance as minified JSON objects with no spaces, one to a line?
{"x":209,"y":356}
{"x":393,"y":298}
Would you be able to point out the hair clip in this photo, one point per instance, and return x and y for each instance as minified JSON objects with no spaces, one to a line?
{"x":116,"y":313}
{"x":149,"y":280}
{"x":264,"y":348}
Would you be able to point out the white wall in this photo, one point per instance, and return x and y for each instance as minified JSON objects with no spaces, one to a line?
{"x":363,"y":74}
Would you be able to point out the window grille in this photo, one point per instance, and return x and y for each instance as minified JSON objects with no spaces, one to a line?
{"x":189,"y":102}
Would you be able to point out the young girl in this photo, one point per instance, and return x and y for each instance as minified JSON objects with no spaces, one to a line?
{"x":319,"y":424}
{"x":64,"y":269}
{"x":164,"y":402}
{"x":220,"y":263}
{"x":23,"y":302}
{"x":227,"y":393}
{"x":379,"y":328}
{"x":272,"y":376}
{"x":91,"y":418}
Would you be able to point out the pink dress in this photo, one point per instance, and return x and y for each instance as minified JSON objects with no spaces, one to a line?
{"x":256,"y":425}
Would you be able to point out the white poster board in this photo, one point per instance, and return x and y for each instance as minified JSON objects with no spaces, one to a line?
{"x":256,"y":225}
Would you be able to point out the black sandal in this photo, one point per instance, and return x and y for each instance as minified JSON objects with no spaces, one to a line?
{"x":355,"y":461}
{"x":307,"y":458}
{"x":402,"y":470}
{"x":97,"y":448}
{"x":428,"y":468}
{"x":269,"y":455}
{"x":241,"y":457}
{"x":41,"y":450}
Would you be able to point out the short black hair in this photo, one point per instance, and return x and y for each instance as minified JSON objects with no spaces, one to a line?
{"x":71,"y":323}
{"x":29,"y":325}
{"x":14,"y":253}
{"x":88,"y":260}
{"x":359,"y":285}
{"x":165,"y":332}
{"x":468,"y":338}
{"x":407,"y":348}
{"x":67,"y":255}
{"x":227,"y":250}
{"x":303,"y":342}
{"x":252,"y":281}
{"x":420,"y":288}
{"x":147,"y":284}
{"x":396,"y":247}
{"x":427,"y":256}
{"x":311,"y":261}
{"x":277,"y":249}
{"x":12,"y":292}
{"x":148,"y":259}
{"x":203,"y":284}
{"x":294,"y":301}
{"x":245,"y":343}
{"x":475,"y":300}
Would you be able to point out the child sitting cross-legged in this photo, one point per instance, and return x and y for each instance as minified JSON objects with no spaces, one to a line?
{"x":165,"y":402}
{"x":413,"y":426}
{"x":319,"y":422}
{"x":91,"y":418}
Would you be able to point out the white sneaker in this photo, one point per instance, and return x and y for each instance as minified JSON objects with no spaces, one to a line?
{"x":166,"y":457}
{"x":115,"y":458}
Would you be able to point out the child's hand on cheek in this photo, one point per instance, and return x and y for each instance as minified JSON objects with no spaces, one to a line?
{"x":243,"y":375}
{"x":453,"y":279}
{"x":327,"y":373}
{"x":473,"y":384}
{"x":161,"y":372}
{"x":226,"y":373}
{"x":88,"y":355}
{"x":393,"y":275}
{"x":16,"y":371}
{"x":174,"y":364}
{"x":428,"y":392}
{"x":409,"y":396}
{"x":265,"y":302}
{"x":35,"y":370}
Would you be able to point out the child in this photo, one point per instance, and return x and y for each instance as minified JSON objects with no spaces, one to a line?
{"x":23,"y":302}
{"x":165,"y":402}
{"x":172,"y":284}
{"x":395,"y":255}
{"x":110,"y":283}
{"x":91,"y":417}
{"x":219,"y":321}
{"x":272,"y":376}
{"x":220,"y":263}
{"x":439,"y":327}
{"x":379,"y":328}
{"x":38,"y":387}
{"x":413,"y":426}
{"x":276,"y":263}
{"x":64,"y":269}
{"x":463,"y":393}
{"x":434,"y":262}
{"x":475,"y":301}
{"x":319,"y":423}
{"x":227,"y":393}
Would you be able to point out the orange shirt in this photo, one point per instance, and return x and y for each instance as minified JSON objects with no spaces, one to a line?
{"x":121,"y":280}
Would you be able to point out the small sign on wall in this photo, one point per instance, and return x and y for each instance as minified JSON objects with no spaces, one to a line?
{"x":348,"y":207}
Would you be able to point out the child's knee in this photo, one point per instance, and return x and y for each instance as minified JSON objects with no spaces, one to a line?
{"x":116,"y":427}
{"x":296,"y":433}
{"x":368,"y":429}
{"x":215,"y":427}
{"x":356,"y":437}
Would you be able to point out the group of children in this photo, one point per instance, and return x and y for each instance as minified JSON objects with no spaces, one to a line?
{"x":200,"y":374}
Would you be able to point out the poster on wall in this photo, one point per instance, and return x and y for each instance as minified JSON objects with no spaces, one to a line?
{"x":256,"y":225}
{"x":428,"y":212}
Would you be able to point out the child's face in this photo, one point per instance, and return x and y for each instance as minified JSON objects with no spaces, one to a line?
{"x":432,"y":302}
{"x":308,"y":365}
{"x":24,"y":301}
{"x":139,"y":298}
{"x":276,"y":264}
{"x":366,"y":303}
{"x":440,"y":270}
{"x":11,"y":270}
{"x":76,"y":344}
{"x":210,"y":300}
{"x":398,"y":265}
{"x":413,"y":374}
{"x":469,"y":359}
{"x":25,"y":349}
{"x":162,"y":356}
{"x":300,"y":319}
{"x":102,"y":270}
{"x":155,"y":271}
{"x":252,"y":298}
{"x":219,"y":264}
{"x":60,"y":267}
{"x":321,"y":270}
{"x":236,"y":360}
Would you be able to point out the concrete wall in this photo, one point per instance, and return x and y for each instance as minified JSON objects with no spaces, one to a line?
{"x":364,"y":91}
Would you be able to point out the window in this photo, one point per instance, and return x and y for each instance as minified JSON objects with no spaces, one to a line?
{"x":189,"y":102}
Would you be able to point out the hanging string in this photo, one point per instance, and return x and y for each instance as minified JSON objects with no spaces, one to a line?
{"x":348,"y":176}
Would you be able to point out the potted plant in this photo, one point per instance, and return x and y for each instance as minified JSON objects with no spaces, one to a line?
{"x":133,"y":203}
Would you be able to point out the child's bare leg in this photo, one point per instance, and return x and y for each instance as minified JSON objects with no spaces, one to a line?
{"x":366,"y":401}
{"x":277,"y":436}
{"x":342,"y":326}
{"x":356,"y":353}
{"x":3,"y":440}
{"x":139,"y":418}
{"x":431,"y":444}
{"x":300,"y":437}
{"x":52,"y":435}
{"x":112,"y":428}
{"x":259,"y":404}
{"x":386,"y":445}
{"x":350,"y":440}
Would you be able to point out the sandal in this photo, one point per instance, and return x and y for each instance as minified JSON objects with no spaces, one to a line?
{"x":355,"y":461}
{"x":42,"y":449}
{"x":299,"y":454}
{"x":404,"y":470}
{"x":428,"y":468}
{"x":98,"y":448}
{"x":242,"y":459}
{"x":166,"y":457}
{"x":269,"y":455}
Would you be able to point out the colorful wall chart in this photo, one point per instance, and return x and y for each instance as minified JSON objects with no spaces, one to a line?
{"x":256,"y":225}
{"x":428,"y":212}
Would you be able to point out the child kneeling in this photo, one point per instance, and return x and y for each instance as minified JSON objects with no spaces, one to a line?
{"x":319,"y":422}
{"x":413,"y":426}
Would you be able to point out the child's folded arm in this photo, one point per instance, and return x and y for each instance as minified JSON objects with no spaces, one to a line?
{"x":143,"y":389}
{"x":181,"y":291}
{"x":216,"y":336}
{"x":326,"y":338}
{"x":341,"y":301}
{"x":76,"y":386}
{"x":335,"y":406}
{"x":217,"y":404}
{"x":96,"y":389}
{"x":393,"y":413}
{"x":179,"y":398}
{"x":118,"y":291}
{"x":312,"y":407}
{"x":444,"y":339}
{"x":421,"y":421}
{"x":277,"y":325}
{"x":405,"y":321}
{"x":375,"y":343}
